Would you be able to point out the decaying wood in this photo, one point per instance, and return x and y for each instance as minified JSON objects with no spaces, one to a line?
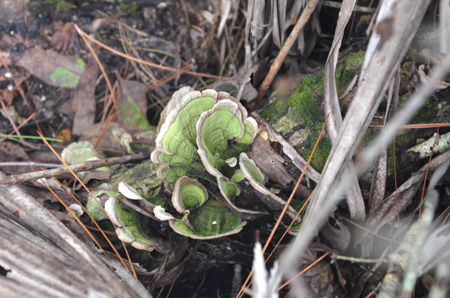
{"x":290,"y":151}
{"x":42,"y":258}
{"x":270,"y":162}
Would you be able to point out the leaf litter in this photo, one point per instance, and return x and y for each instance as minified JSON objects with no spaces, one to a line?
{"x":47,"y":75}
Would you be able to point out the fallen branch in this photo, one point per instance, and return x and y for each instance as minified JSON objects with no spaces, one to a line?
{"x":87,"y":166}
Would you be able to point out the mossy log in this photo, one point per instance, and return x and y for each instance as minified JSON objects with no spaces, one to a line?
{"x":299,"y":117}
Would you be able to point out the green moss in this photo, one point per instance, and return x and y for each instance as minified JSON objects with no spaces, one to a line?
{"x":130,"y":9}
{"x":60,"y":5}
{"x":427,"y":113}
{"x":346,"y":70}
{"x":311,"y":86}
{"x":320,"y":155}
{"x":302,"y":112}
{"x":275,"y":111}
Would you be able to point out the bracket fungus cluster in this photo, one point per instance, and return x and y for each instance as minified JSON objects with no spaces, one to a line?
{"x":109,"y":204}
{"x":203,"y":137}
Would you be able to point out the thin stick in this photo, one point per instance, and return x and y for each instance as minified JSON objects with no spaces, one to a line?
{"x":90,"y":165}
{"x":414,"y":126}
{"x":426,"y":173}
{"x":307,"y":12}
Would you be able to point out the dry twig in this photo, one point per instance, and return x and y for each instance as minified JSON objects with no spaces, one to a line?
{"x":90,"y":165}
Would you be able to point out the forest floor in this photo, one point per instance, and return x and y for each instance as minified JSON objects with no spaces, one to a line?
{"x":75,"y":70}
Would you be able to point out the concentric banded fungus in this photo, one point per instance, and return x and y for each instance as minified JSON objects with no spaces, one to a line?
{"x":256,"y":179}
{"x":203,"y":218}
{"x":212,"y":220}
{"x":230,"y":190}
{"x":79,"y":152}
{"x":222,"y":133}
{"x":188,"y":195}
{"x":76,"y":209}
{"x":127,"y":225}
{"x":176,"y":141}
{"x":178,"y":138}
{"x":95,"y":204}
{"x":202,"y":133}
{"x":128,"y":191}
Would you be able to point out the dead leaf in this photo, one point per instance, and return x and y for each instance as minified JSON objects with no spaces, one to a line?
{"x":65,"y":135}
{"x":424,"y":78}
{"x":319,"y":280}
{"x":133,"y":103}
{"x":12,"y":152}
{"x":85,"y":99}
{"x":336,"y":233}
{"x":65,"y":39}
{"x":53,"y":68}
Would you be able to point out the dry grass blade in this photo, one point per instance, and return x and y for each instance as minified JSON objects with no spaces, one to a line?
{"x":444,"y":26}
{"x":408,"y":261}
{"x":378,"y":186}
{"x":428,"y":168}
{"x":354,"y":197}
{"x":416,"y":126}
{"x":393,"y":32}
{"x":386,"y":211}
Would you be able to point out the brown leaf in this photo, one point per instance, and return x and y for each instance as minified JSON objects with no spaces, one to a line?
{"x":84,"y":95}
{"x":336,"y":233}
{"x":53,"y":68}
{"x":319,"y":280}
{"x":132,"y":102}
{"x":12,"y":152}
